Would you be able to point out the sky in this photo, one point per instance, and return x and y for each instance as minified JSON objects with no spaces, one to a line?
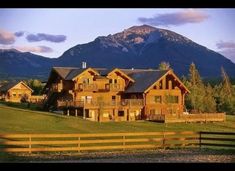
{"x":50,"y":32}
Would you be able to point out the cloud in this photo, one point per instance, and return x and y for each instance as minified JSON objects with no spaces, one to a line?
{"x":47,"y":37}
{"x":19,"y":33}
{"x":35,"y":49}
{"x":229,"y":53}
{"x":227,"y":48}
{"x":227,"y":45}
{"x":176,"y":19}
{"x":6,"y":37}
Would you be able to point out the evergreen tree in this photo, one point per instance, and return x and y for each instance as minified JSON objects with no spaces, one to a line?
{"x":209,"y":100}
{"x":36,"y":85}
{"x":164,"y":66}
{"x":226,"y":95}
{"x":195,"y":100}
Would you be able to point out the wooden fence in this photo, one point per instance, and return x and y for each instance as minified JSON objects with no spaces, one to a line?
{"x":105,"y":141}
{"x":203,"y":117}
{"x":218,"y":139}
{"x":89,"y":142}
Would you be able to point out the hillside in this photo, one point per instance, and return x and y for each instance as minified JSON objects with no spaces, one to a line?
{"x":43,"y":122}
{"x":137,"y":47}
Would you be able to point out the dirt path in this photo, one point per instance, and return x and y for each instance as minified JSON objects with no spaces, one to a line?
{"x":145,"y":156}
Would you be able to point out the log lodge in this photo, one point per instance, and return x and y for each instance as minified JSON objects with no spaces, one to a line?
{"x":100,"y":94}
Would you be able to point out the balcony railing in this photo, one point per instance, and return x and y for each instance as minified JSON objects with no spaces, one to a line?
{"x":91,"y":103}
{"x":86,"y":87}
{"x":114,"y":87}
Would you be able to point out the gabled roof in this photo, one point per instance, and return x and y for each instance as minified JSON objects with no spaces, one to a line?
{"x":74,"y":72}
{"x":122,"y":73}
{"x":143,"y":79}
{"x":69,"y":73}
{"x":11,"y":84}
{"x":63,"y":71}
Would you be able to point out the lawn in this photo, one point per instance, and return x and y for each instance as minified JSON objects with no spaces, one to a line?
{"x":14,"y":120}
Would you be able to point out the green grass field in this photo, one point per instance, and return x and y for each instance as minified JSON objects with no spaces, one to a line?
{"x":14,"y":120}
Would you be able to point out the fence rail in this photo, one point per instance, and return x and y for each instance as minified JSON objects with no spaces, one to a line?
{"x":215,"y":139}
{"x":110,"y":141}
{"x":203,"y":117}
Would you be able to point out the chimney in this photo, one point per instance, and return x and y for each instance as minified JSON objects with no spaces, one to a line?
{"x":83,"y":64}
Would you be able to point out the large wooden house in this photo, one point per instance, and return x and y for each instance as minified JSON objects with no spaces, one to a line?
{"x":100,"y":94}
{"x":15,"y":91}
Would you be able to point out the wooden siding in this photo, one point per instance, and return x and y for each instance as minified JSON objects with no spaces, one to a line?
{"x":103,"y":97}
{"x":16,"y":93}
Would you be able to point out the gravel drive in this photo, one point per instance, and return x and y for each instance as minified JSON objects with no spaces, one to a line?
{"x":140,"y":156}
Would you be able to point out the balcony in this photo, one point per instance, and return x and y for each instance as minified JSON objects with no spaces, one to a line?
{"x":98,"y":104}
{"x":114,"y":87}
{"x":86,"y":87}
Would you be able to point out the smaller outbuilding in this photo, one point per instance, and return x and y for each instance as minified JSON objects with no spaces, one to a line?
{"x":15,"y":92}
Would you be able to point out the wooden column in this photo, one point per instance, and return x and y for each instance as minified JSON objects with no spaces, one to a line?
{"x":170,"y":84}
{"x":84,"y":113}
{"x":164,"y":83}
{"x":183,"y":99}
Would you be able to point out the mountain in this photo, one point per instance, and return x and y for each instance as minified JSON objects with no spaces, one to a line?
{"x":137,"y":47}
{"x":145,"y":47}
{"x":16,"y":64}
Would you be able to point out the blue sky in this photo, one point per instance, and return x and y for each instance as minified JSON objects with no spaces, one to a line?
{"x":50,"y":32}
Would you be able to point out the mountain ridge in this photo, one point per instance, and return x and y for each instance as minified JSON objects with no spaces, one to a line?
{"x":136,"y":47}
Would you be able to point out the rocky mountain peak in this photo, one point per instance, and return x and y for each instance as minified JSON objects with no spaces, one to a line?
{"x":143,"y":29}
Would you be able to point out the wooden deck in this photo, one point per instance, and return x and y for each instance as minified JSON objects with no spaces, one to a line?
{"x":91,"y":104}
{"x":202,"y":117}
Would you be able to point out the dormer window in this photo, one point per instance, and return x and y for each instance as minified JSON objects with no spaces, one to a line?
{"x":113,"y":81}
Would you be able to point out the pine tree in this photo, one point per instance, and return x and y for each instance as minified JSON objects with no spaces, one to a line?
{"x":226,"y":95}
{"x":195,"y":100}
{"x":164,"y":66}
{"x":209,"y":100}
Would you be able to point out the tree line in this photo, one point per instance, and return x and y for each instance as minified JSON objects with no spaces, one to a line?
{"x":204,"y":97}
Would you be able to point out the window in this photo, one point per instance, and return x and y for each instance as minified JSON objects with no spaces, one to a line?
{"x":86,"y":80}
{"x":105,"y":115}
{"x":158,"y":99}
{"x":20,"y":95}
{"x":121,"y":113}
{"x":14,"y":95}
{"x":113,"y":81}
{"x":88,"y":99}
{"x":113,"y":97}
{"x":172,"y":99}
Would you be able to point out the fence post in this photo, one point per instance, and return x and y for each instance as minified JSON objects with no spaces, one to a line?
{"x":200,"y":139}
{"x":123,"y":141}
{"x":30,"y":144}
{"x":79,"y":144}
{"x":163,"y":141}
